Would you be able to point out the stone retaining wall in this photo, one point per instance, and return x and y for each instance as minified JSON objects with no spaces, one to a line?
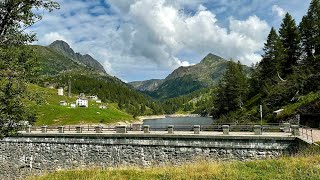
{"x":38,"y":153}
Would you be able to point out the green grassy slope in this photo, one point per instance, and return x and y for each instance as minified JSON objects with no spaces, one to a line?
{"x":51,"y":113}
{"x":53,"y":63}
{"x":298,"y":168}
{"x":58,"y":69}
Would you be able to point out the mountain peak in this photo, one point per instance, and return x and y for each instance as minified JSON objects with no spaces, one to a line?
{"x":59,"y":42}
{"x":64,"y":48}
{"x":212,"y":58}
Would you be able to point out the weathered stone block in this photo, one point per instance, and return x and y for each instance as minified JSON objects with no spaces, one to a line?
{"x":225,"y":129}
{"x":98,"y":129}
{"x":196,"y":129}
{"x":170,"y":129}
{"x":257,"y":130}
{"x":121,"y":129}
{"x":79,"y":129}
{"x":61,"y":129}
{"x":146,"y":129}
{"x":44,"y":129}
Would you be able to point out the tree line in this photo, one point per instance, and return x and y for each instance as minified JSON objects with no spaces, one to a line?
{"x":289,"y":68}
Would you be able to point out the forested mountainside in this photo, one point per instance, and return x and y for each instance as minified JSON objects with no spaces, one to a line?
{"x":185,"y":80}
{"x":58,"y":66}
{"x":148,"y":85}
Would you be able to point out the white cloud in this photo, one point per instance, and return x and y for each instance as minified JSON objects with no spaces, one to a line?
{"x":278,"y":11}
{"x":52,"y":36}
{"x":141,"y":39}
{"x":161,"y":31}
{"x":253,"y":28}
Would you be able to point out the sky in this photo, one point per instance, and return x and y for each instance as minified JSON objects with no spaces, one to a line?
{"x":148,"y":39}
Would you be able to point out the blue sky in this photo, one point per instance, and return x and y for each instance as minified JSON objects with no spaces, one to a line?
{"x":148,"y":39}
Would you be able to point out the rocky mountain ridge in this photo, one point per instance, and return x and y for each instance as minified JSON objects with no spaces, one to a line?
{"x":86,"y":59}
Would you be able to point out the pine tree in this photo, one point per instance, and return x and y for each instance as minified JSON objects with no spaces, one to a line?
{"x":232,"y":90}
{"x":272,"y":60}
{"x":290,"y":38}
{"x":310,"y":33}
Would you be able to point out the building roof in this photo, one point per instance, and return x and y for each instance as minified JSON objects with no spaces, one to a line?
{"x":82,"y":98}
{"x":278,"y":111}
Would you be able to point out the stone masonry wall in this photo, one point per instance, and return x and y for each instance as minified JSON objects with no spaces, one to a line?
{"x":21,"y":156}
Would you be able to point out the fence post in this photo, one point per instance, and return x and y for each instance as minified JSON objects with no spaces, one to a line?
{"x":286,"y":127}
{"x":295,"y":130}
{"x":225,"y":129}
{"x":28,"y":129}
{"x":146,"y":129}
{"x":257,"y":129}
{"x":170,"y":129}
{"x":44,"y":129}
{"x":61,"y":129}
{"x":79,"y":129}
{"x":196,"y":129}
{"x":98,"y":129}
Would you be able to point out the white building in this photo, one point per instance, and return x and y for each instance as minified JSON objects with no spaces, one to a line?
{"x":93,"y":97}
{"x":98,"y":101}
{"x":82,"y":102}
{"x":60,"y":91}
{"x":63,"y":103}
{"x":73,"y":105}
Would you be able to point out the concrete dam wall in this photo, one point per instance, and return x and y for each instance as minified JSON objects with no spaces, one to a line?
{"x":38,"y":153}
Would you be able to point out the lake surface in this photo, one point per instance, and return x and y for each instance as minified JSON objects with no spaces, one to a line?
{"x":177,"y":122}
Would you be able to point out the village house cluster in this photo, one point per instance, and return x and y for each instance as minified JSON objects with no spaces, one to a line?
{"x":81,"y":101}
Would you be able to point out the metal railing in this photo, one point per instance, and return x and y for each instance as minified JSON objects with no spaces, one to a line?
{"x":306,"y":132}
{"x":271,"y":127}
{"x":72,"y":128}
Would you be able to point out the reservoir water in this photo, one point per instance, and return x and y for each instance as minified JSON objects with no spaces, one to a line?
{"x":177,"y":122}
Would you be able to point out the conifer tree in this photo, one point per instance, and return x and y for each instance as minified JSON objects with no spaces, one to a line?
{"x":290,"y":38}
{"x":232,"y":90}
{"x":272,"y":59}
{"x":310,"y":33}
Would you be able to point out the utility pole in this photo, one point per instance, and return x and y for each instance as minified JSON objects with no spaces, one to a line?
{"x":69,"y":86}
{"x":261,"y":113}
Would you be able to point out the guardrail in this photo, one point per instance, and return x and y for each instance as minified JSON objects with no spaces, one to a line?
{"x":271,"y":127}
{"x":306,"y":132}
{"x":296,"y":130}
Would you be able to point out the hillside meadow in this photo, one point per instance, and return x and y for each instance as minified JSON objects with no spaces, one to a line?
{"x":50,"y":112}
